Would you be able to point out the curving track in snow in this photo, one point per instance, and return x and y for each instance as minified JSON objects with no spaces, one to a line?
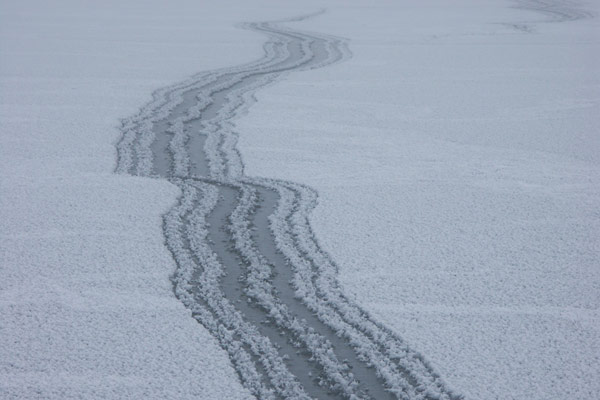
{"x":556,"y":10}
{"x":248,"y":265}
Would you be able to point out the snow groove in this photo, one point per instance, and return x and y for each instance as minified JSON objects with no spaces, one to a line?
{"x":248,"y":264}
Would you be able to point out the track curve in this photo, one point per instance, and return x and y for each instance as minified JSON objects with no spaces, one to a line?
{"x":248,"y":264}
{"x":553,"y":10}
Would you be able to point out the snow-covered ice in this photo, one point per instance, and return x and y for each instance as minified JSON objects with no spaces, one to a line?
{"x":456,"y":157}
{"x":457,"y":164}
{"x":86,"y":305}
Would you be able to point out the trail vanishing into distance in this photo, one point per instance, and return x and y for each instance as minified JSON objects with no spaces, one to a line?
{"x":553,"y":10}
{"x":248,"y":265}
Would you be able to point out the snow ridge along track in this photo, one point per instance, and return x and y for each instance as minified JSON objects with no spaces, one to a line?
{"x":248,"y":265}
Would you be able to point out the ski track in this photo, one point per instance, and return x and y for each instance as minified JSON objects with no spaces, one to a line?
{"x":248,"y":265}
{"x":555,"y":10}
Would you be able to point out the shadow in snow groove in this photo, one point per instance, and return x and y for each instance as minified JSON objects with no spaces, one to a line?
{"x":248,"y":265}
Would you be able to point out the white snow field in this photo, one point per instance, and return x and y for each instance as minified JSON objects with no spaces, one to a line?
{"x":456,"y":156}
{"x":457,"y":161}
{"x":86,"y":305}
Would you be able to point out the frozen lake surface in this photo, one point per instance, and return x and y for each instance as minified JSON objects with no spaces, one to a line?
{"x":452,"y":156}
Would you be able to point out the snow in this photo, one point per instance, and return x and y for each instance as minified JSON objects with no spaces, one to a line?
{"x":86,"y":305}
{"x":456,"y":161}
{"x":456,"y":157}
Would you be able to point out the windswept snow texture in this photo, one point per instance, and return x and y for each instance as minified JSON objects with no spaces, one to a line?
{"x":457,"y":161}
{"x":248,"y":265}
{"x":456,"y":157}
{"x":87,"y":309}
